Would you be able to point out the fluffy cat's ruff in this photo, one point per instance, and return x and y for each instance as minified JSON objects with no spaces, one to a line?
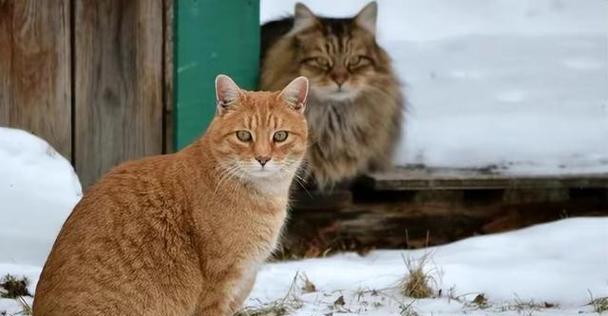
{"x":351,"y":135}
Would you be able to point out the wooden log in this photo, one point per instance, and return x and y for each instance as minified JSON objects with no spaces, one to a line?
{"x":35,"y":75}
{"x":413,"y":219}
{"x":315,"y":200}
{"x":403,"y":179}
{"x":119,"y":83}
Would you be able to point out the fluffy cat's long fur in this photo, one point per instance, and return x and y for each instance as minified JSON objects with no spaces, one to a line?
{"x":183,"y":234}
{"x":355,"y":108}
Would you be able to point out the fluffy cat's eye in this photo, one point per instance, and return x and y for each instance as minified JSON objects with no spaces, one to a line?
{"x":359,"y":61}
{"x":280,"y":136}
{"x":243,"y":136}
{"x":317,"y":62}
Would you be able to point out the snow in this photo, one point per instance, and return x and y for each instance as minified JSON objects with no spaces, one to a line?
{"x":516,"y":84}
{"x":562,"y":263}
{"x":559,"y":263}
{"x":38,"y":189}
{"x":429,"y":20}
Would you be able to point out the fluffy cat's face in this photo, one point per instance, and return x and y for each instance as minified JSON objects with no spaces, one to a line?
{"x":339,"y":56}
{"x":260,"y":135}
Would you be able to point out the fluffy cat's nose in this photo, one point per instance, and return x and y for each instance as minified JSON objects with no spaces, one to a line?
{"x":262,"y":160}
{"x":339,"y":78}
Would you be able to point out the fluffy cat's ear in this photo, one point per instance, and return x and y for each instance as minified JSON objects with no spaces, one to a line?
{"x":226,"y":93}
{"x":302,"y":18}
{"x":366,"y":18}
{"x":295,"y":94}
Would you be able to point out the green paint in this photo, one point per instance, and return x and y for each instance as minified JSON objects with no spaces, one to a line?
{"x":212,"y":37}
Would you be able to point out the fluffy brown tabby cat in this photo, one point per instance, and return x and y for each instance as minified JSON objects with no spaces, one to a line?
{"x":355,"y":106}
{"x":183,"y":234}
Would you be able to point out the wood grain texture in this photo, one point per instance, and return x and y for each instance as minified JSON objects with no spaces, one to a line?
{"x":419,"y":218}
{"x":404,"y":179}
{"x":168,"y":72}
{"x":35,"y":75}
{"x":118,"y":88}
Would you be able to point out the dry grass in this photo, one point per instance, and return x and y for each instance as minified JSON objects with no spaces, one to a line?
{"x":481,"y":301}
{"x":281,"y":307}
{"x":600,"y":304}
{"x":15,"y":288}
{"x":26,"y":309}
{"x":308,"y":286}
{"x":407,"y":311}
{"x":405,"y":308}
{"x":520,"y":306}
{"x":417,"y":284}
{"x":12,"y":287}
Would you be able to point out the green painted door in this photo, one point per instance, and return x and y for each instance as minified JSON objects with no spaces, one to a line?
{"x":212,"y":37}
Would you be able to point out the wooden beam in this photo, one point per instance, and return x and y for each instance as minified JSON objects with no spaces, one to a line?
{"x":212,"y":37}
{"x":403,"y":179}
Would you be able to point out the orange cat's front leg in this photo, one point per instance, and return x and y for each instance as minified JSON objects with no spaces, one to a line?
{"x":242,"y":291}
{"x":217,"y":299}
{"x":214,"y":304}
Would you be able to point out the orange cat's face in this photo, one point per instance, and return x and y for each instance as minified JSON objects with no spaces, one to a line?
{"x":259,"y":134}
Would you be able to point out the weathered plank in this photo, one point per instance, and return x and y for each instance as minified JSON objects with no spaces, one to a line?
{"x":414,"y":219}
{"x":404,"y":179}
{"x":35,"y":75}
{"x":118,"y":87}
{"x":168,"y":69}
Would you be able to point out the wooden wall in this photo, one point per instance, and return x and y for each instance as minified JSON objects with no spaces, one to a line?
{"x":35,"y":70}
{"x":88,"y":76}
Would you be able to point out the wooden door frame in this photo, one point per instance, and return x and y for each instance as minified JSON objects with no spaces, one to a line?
{"x":211,"y":37}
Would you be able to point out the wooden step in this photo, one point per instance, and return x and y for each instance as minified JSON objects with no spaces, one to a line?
{"x":414,"y":208}
{"x":408,"y":179}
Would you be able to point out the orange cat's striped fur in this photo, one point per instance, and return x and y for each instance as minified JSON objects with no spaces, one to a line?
{"x":183,"y":234}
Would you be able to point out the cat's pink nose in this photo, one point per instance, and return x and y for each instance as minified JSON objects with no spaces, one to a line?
{"x":339,"y":77}
{"x":262,"y":160}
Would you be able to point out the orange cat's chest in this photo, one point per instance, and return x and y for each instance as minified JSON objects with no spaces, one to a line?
{"x":260,"y":228}
{"x":243,"y":229}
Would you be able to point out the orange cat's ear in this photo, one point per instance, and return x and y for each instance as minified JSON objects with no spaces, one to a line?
{"x":226,"y":93}
{"x":303,"y":18}
{"x":366,"y":18}
{"x":295,"y":94}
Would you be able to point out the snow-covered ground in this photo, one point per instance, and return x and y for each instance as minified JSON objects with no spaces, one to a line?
{"x":38,"y":189}
{"x":517,"y":84}
{"x":562,"y":264}
{"x":521,"y":84}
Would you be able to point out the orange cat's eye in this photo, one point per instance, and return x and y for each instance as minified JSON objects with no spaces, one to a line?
{"x":243,"y":136}
{"x":280,"y":136}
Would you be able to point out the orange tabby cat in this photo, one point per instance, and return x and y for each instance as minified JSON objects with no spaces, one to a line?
{"x":183,"y":234}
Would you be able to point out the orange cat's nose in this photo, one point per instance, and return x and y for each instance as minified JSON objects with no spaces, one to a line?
{"x":262,"y":160}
